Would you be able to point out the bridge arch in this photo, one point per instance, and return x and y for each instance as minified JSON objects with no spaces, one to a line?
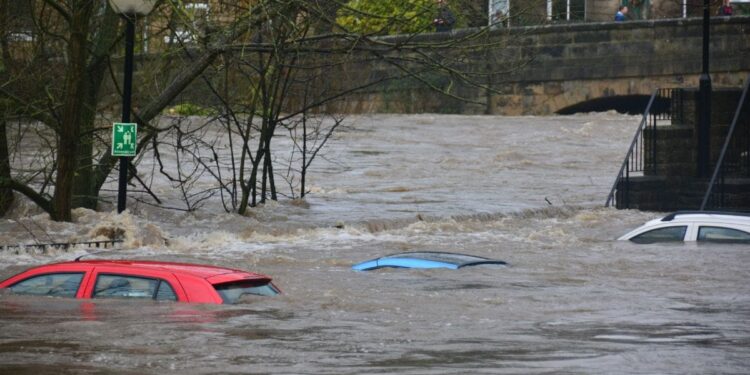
{"x":633,"y":104}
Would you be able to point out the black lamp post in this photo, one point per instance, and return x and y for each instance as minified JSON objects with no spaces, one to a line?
{"x":704,"y":124}
{"x":129,"y":9}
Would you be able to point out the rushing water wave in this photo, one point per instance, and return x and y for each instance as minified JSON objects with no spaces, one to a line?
{"x":527,"y":190}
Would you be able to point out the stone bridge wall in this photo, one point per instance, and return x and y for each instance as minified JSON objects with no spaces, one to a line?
{"x":570,"y":64}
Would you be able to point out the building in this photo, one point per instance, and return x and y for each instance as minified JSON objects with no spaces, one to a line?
{"x":534,"y":12}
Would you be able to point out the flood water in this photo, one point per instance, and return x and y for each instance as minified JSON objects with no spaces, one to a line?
{"x":527,"y":190}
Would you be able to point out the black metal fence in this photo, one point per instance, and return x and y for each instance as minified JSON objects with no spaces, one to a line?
{"x":641,"y":158}
{"x":734,"y":159}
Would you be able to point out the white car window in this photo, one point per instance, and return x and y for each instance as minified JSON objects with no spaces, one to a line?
{"x":667,"y":234}
{"x":719,"y":234}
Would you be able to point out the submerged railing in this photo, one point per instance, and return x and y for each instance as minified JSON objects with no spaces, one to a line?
{"x":734,"y":159}
{"x":641,"y":157}
{"x":45,"y":247}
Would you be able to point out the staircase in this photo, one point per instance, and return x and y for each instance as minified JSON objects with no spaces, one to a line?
{"x":659,"y":171}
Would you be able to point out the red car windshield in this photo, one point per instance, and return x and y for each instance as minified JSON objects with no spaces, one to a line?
{"x":233,"y":292}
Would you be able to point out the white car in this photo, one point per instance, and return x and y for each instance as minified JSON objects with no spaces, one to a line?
{"x":731,"y":227}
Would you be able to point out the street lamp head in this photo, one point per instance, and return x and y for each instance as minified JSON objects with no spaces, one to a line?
{"x":132,"y":7}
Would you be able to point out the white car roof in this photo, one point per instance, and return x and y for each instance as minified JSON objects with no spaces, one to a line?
{"x":707,"y":216}
{"x":727,"y":219}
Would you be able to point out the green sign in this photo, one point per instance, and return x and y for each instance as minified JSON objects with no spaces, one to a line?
{"x":123,"y":139}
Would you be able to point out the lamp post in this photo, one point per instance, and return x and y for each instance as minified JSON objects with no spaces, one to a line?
{"x":129,"y":10}
{"x":704,"y":124}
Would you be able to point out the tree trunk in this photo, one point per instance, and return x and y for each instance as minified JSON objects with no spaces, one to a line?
{"x":303,"y":170}
{"x":6,"y":194}
{"x":269,"y":167}
{"x":264,"y":180}
{"x":84,"y":194}
{"x":253,"y":184}
{"x":85,"y":190}
{"x":75,"y":89}
{"x":249,"y":191}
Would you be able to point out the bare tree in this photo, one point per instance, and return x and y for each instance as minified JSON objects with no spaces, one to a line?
{"x":267,"y":65}
{"x":75,"y":39}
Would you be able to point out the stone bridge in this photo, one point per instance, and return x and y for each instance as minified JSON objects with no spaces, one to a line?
{"x":579,"y":67}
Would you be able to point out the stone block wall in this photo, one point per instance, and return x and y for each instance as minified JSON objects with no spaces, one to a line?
{"x":557,"y":66}
{"x":548,"y":68}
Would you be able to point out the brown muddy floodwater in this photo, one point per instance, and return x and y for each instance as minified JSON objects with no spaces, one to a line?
{"x":572,"y":301}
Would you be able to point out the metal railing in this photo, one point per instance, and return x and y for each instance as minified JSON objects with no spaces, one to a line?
{"x":734,"y":159}
{"x":45,"y":247}
{"x":642,"y":154}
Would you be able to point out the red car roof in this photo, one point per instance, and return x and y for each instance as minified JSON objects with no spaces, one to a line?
{"x":201,"y":271}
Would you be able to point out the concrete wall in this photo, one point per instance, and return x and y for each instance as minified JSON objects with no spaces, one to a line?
{"x":561,"y":65}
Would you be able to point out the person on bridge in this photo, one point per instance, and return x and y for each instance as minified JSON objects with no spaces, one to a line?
{"x":445,"y":19}
{"x":621,"y":12}
{"x":725,"y":9}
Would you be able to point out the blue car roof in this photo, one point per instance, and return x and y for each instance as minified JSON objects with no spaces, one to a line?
{"x":425,"y":259}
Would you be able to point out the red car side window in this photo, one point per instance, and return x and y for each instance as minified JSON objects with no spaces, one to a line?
{"x":125,"y":286}
{"x":51,"y":284}
{"x":164,"y":292}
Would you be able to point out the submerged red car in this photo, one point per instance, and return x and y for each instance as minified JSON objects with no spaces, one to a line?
{"x":160,"y":281}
